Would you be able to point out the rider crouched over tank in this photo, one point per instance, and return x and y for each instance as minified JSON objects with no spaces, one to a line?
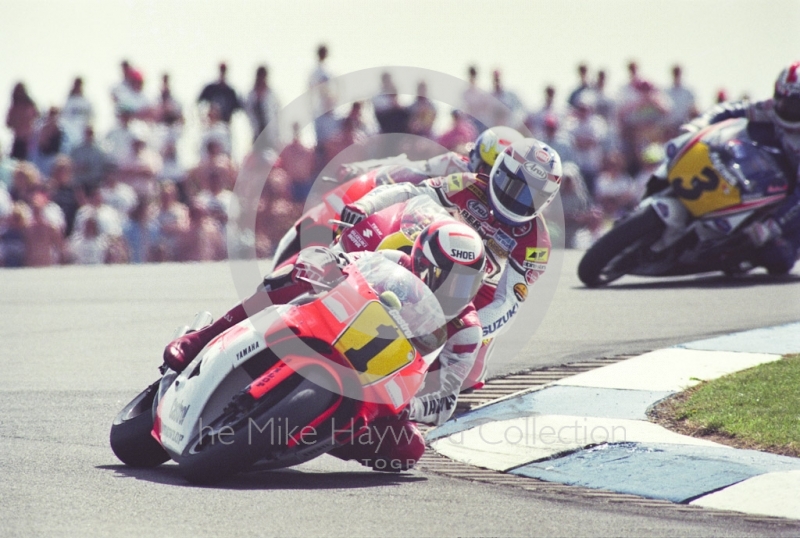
{"x":504,"y":206}
{"x":447,"y":257}
{"x":774,"y":122}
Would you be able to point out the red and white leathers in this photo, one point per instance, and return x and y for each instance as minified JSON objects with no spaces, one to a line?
{"x":516,"y":255}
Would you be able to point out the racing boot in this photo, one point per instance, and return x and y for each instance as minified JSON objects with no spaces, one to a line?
{"x":778,"y":256}
{"x":389,"y":445}
{"x":181,"y":351}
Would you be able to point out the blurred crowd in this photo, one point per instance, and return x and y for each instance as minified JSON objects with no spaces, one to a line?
{"x":71,"y":195}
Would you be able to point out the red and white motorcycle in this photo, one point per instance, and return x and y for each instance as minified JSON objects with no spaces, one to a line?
{"x":293,"y":381}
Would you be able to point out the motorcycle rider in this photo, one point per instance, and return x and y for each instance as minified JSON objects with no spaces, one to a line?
{"x":776,"y":122}
{"x":449,"y":258}
{"x":505,"y":208}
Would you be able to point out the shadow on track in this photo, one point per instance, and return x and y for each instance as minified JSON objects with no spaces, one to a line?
{"x":281,"y":479}
{"x":707,"y":281}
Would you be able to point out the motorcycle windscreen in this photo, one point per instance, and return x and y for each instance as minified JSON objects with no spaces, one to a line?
{"x":699,"y":184}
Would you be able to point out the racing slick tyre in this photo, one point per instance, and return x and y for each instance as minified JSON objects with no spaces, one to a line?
{"x":617,"y":253}
{"x":130,"y":433}
{"x":237,"y":440}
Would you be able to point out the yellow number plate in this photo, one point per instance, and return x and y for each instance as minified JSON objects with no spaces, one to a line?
{"x":698,"y":184}
{"x":374,"y":344}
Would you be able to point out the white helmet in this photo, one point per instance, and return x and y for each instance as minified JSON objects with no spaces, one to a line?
{"x":524,"y":180}
{"x":786,"y":99}
{"x":489,"y":144}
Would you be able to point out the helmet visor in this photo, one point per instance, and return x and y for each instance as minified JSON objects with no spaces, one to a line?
{"x":456,"y":288}
{"x":516,"y":195}
{"x":788,"y":107}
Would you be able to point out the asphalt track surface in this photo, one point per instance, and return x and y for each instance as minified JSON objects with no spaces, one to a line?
{"x":79,"y":342}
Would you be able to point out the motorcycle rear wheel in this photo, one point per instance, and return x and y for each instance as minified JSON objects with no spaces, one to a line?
{"x":605,"y":261}
{"x":130,"y":433}
{"x":221,"y":456}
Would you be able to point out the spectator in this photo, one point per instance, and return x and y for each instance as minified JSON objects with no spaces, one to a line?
{"x":297,"y":160}
{"x":391,"y":116}
{"x":171,"y":168}
{"x":721,"y":97}
{"x":63,"y":191}
{"x":629,"y":91}
{"x":167,"y":110}
{"x":262,"y":109}
{"x":168,"y":115}
{"x":580,"y":215}
{"x":28,"y":185}
{"x":172,"y":222}
{"x":683,"y":107}
{"x":90,"y":245}
{"x":605,"y":105}
{"x":511,"y":113}
{"x":350,"y":133}
{"x":132,"y":98}
{"x":422,"y":112}
{"x":118,"y":143}
{"x":140,"y":169}
{"x":216,"y":199}
{"x":120,"y":91}
{"x":215,"y":161}
{"x":277,"y":212}
{"x":91,"y":164}
{"x":221,"y":94}
{"x":43,"y":237}
{"x":557,"y":139}
{"x":20,"y":119}
{"x":217,"y":130}
{"x":535,"y":121}
{"x":460,"y":134}
{"x":120,"y":196}
{"x":140,"y":233}
{"x":589,"y":134}
{"x":7,"y":167}
{"x":76,"y":115}
{"x":107,"y":218}
{"x":583,"y":85}
{"x":204,"y":240}
{"x":48,"y":142}
{"x":322,"y":93}
{"x":12,"y":237}
{"x":642,"y":122}
{"x":477,"y":102}
{"x":615,"y":190}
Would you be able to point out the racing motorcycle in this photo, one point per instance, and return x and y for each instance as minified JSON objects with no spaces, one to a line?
{"x":719,"y":181}
{"x":293,"y":381}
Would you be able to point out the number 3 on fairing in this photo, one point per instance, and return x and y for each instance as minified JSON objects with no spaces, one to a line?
{"x":698,"y":185}
{"x":374,"y":344}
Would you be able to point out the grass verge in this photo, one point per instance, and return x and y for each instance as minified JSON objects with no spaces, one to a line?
{"x":758,"y":408}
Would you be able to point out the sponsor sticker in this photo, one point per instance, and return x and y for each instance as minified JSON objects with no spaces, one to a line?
{"x":435,"y":182}
{"x":504,"y":240}
{"x":455,"y":182}
{"x":524,"y":229}
{"x":520,"y":292}
{"x":478,"y":209}
{"x":531,"y":276}
{"x":474,"y":189}
{"x":537,"y":254}
{"x":542,"y":156}
{"x":535,"y":170}
{"x":357,"y":240}
{"x":541,"y":267}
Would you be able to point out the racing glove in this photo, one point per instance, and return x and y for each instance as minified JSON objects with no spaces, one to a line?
{"x":353,"y":214}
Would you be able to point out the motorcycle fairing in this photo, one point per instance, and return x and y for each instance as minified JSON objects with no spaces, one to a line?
{"x":699,"y":185}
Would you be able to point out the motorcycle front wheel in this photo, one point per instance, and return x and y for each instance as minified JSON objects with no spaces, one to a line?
{"x":130,"y":433}
{"x":616,"y":253}
{"x":232,"y":446}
